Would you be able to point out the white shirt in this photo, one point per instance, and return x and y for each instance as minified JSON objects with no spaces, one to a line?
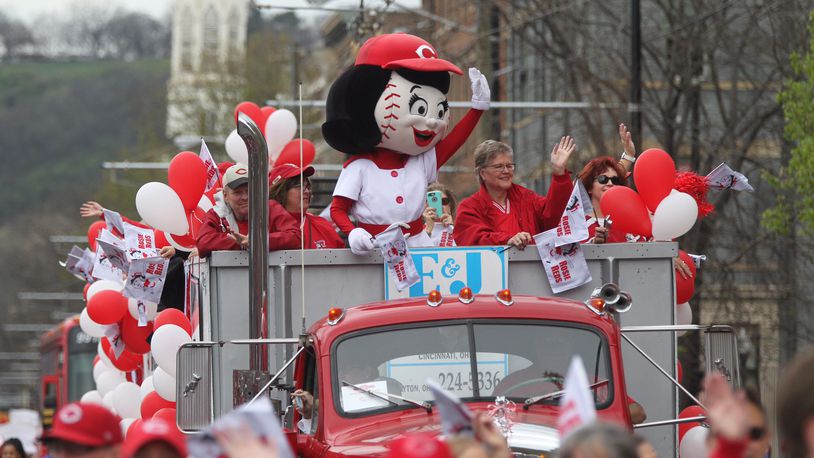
{"x":388,"y":196}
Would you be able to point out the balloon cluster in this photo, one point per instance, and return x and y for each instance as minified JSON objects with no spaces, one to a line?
{"x":176,"y":210}
{"x":692,"y":436}
{"x":279,"y":127}
{"x":661,"y":210}
{"x":117,"y":371}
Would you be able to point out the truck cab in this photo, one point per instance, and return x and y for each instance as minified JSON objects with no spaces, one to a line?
{"x":480,"y":350}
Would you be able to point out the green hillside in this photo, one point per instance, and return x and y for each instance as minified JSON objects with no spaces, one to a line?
{"x":60,"y":121}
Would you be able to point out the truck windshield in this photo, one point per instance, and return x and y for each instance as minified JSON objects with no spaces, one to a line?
{"x":478,"y":360}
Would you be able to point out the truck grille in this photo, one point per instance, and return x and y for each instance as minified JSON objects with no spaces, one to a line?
{"x":194,"y":386}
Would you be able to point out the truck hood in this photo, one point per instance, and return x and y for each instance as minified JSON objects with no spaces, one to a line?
{"x":532,"y":431}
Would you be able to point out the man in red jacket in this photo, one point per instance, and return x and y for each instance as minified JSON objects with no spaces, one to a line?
{"x":226,"y":225}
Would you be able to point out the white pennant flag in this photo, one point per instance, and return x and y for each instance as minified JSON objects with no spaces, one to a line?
{"x":113,"y":220}
{"x":577,"y":406}
{"x":723,"y":177}
{"x":103,"y":269}
{"x":211,"y":167}
{"x":456,"y":418}
{"x":145,"y":279}
{"x":564,"y":265}
{"x":140,"y":242}
{"x":399,"y":261}
{"x":572,"y":227}
{"x":442,"y":236}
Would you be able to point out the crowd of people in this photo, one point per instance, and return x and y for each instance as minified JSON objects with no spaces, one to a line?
{"x":737,"y":426}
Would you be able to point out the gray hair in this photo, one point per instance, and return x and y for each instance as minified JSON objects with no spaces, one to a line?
{"x":486,"y":151}
{"x":599,"y":440}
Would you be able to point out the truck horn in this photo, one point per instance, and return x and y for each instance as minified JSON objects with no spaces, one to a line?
{"x":609,"y":297}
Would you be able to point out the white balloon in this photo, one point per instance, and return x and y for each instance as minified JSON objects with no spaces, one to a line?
{"x":98,"y":370}
{"x":694,"y":443}
{"x":89,"y":326}
{"x":165,"y":344}
{"x":683,"y":316}
{"x":127,"y":400}
{"x":147,"y":387}
{"x":103,"y":357}
{"x":107,"y":401}
{"x":177,"y":245}
{"x":125,"y":424}
{"x":103,"y":285}
{"x":281,"y":127}
{"x":91,"y":397}
{"x":151,"y":309}
{"x":161,"y":208}
{"x":108,"y":382}
{"x":674,"y":216}
{"x":164,"y":384}
{"x":236,"y":148}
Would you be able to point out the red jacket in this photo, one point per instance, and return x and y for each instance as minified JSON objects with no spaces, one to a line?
{"x":476,"y":222}
{"x":213,"y":234}
{"x":319,"y":233}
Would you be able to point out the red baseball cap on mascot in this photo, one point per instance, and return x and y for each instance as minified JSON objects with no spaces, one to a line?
{"x":401,"y":50}
{"x":85,"y":424}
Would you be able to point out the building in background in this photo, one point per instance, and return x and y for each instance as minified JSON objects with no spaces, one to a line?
{"x":208,"y":47}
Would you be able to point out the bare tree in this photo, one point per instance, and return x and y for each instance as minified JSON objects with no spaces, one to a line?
{"x":14,"y":35}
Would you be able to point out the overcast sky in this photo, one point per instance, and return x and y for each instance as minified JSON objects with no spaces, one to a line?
{"x":27,"y":10}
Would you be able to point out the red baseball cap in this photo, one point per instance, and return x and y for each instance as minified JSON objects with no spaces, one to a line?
{"x":154,"y":430}
{"x":418,"y":445}
{"x":282,"y":171}
{"x":85,"y":424}
{"x":401,"y":50}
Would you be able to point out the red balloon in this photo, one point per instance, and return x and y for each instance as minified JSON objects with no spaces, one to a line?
{"x":173,"y":316}
{"x":85,"y":291}
{"x":291,"y":153}
{"x":167,"y":414}
{"x":627,"y":211}
{"x":253,"y":111}
{"x":161,"y":239}
{"x":107,"y":307}
{"x":184,"y":241}
{"x":689,"y":412}
{"x":187,"y":177}
{"x":93,"y":233}
{"x":135,"y":336}
{"x":266,"y":112}
{"x":679,"y":372}
{"x":126,"y":362}
{"x":685,"y":287}
{"x":654,"y":175}
{"x":96,"y":359}
{"x":133,"y":425}
{"x":152,"y":403}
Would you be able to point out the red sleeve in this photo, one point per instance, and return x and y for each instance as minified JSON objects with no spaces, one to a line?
{"x":471,"y":227}
{"x":134,"y":223}
{"x":340,"y":208}
{"x":450,"y":144}
{"x":284,"y":233}
{"x":211,"y":236}
{"x":725,"y":448}
{"x":549,"y":209}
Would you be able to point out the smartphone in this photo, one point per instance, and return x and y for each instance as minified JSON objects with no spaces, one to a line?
{"x":434,"y":201}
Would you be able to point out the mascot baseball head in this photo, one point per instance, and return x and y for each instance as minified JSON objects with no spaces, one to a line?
{"x":394,"y":97}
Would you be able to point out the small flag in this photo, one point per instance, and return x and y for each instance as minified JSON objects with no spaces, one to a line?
{"x":577,"y":406}
{"x":211,"y":167}
{"x":723,"y":177}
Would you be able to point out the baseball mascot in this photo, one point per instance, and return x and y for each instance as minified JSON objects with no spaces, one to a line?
{"x":390,"y":112}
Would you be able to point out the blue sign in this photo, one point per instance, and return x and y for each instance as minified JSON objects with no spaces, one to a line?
{"x":485,"y":270}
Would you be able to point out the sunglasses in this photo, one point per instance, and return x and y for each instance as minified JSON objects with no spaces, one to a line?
{"x":756,"y":433}
{"x":604,"y":179}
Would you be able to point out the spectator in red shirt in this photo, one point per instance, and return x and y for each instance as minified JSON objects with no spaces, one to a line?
{"x":226,"y":225}
{"x":284,"y":188}
{"x":505,"y":213}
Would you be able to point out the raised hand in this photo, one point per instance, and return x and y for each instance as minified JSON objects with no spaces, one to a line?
{"x":626,"y":140}
{"x":90,"y":209}
{"x":481,"y":94}
{"x":560,"y":154}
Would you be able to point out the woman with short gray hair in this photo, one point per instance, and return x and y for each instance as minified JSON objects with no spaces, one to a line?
{"x":505,"y":213}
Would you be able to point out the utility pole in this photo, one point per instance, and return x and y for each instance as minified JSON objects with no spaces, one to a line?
{"x":634,"y":106}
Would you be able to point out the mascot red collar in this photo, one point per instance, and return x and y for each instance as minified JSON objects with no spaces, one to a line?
{"x":390,"y":112}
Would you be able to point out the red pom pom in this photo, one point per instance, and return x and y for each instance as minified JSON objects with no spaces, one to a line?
{"x":696,"y":186}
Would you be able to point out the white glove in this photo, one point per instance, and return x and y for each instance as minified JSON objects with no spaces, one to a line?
{"x":360,"y":241}
{"x":481,"y":94}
